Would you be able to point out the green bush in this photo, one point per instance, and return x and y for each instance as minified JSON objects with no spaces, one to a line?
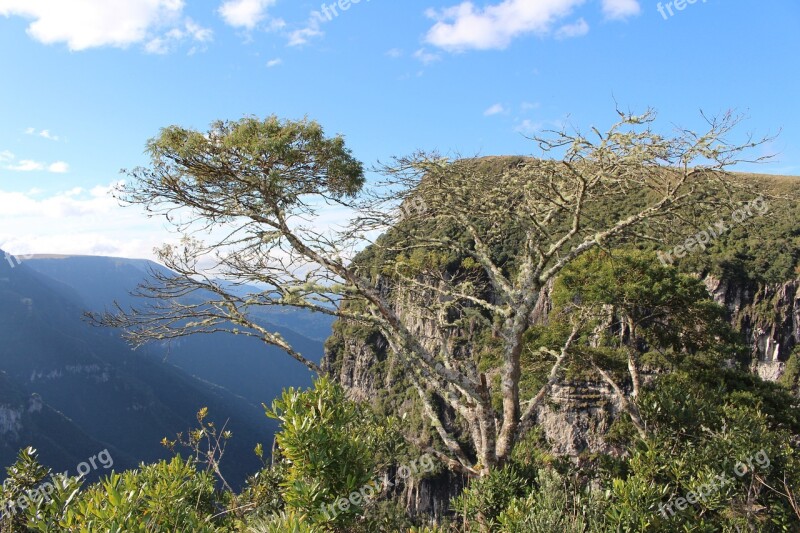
{"x":332,"y":449}
{"x":487,"y":497}
{"x":556,"y":505}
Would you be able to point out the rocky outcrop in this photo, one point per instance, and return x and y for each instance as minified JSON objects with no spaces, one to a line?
{"x":578,"y":413}
{"x":577,"y":416}
{"x":10,"y":422}
{"x":769,"y":317}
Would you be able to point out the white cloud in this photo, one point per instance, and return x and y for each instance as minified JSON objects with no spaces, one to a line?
{"x":43,"y":133}
{"x":274,"y":62}
{"x":83,"y":24}
{"x":29,"y":165}
{"x":76,"y":221}
{"x":71,"y":202}
{"x":465,"y":26}
{"x":303,"y":35}
{"x":198,"y":32}
{"x":47,"y":135}
{"x":620,"y":9}
{"x":496,"y":109}
{"x":426,"y":57}
{"x":394,"y":53}
{"x":530,"y":127}
{"x":578,"y":28}
{"x":245,"y":13}
{"x":26,"y":165}
{"x":167,"y":42}
{"x":157,"y":45}
{"x":59,"y":167}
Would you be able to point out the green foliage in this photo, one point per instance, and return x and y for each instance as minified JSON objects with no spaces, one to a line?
{"x":284,"y":522}
{"x":763,"y":249}
{"x":704,"y":424}
{"x":702,"y":418}
{"x":263,"y":492}
{"x":270,"y":162}
{"x":332,"y":448}
{"x":481,"y":503}
{"x":791,"y":373}
{"x":386,"y":515}
{"x":20,"y":490}
{"x":668,"y":310}
{"x":556,"y":505}
{"x":166,"y":496}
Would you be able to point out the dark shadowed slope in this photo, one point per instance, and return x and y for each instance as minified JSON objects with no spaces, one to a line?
{"x":125,"y":400}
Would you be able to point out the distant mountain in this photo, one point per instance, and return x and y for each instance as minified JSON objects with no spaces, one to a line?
{"x":243,"y":365}
{"x":71,"y":390}
{"x":25,"y":419}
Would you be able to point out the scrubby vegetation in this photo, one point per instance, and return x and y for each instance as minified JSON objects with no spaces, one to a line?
{"x":706,"y":425}
{"x":717,"y":450}
{"x":442,"y":305}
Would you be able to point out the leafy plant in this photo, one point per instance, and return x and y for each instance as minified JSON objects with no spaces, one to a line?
{"x":332,"y":449}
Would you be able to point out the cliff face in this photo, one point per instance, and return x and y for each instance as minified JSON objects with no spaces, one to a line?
{"x":768,"y":316}
{"x":579,"y":413}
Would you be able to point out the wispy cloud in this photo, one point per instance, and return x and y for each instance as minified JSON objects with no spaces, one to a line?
{"x":531,"y":127}
{"x":42,"y":133}
{"x":311,"y":30}
{"x":190,"y":31}
{"x":426,"y":57}
{"x":578,"y":28}
{"x":59,"y":167}
{"x":496,"y":109}
{"x":26,"y":165}
{"x":274,"y":62}
{"x":76,"y":221}
{"x":31,"y":165}
{"x":621,"y":9}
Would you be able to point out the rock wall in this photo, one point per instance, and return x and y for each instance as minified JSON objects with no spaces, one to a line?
{"x":769,"y":317}
{"x":578,"y":414}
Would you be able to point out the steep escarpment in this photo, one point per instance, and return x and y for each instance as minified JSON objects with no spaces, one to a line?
{"x":768,"y":315}
{"x":579,"y":413}
{"x":750,"y":270}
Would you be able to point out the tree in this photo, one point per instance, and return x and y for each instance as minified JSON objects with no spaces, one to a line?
{"x":631,"y":309}
{"x":512,"y":226}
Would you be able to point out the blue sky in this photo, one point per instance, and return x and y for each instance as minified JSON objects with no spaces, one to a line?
{"x":86,"y":82}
